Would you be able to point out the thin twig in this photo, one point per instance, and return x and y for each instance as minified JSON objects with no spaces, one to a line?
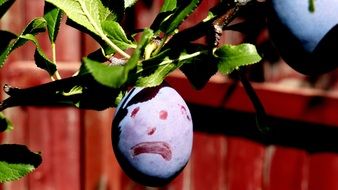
{"x":261,"y":115}
{"x":226,"y":11}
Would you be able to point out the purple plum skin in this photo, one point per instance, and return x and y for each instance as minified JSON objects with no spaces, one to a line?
{"x":152,"y":135}
{"x":307,"y":41}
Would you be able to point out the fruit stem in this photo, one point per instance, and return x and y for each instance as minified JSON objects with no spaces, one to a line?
{"x":312,"y":6}
{"x":56,"y":75}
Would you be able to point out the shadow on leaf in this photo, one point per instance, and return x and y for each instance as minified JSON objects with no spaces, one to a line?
{"x":19,"y":154}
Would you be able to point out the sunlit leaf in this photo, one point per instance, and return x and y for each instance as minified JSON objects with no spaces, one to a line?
{"x":52,"y":16}
{"x":168,"y":5}
{"x":129,"y":3}
{"x":153,"y":71}
{"x":117,"y":35}
{"x":112,"y":76}
{"x":231,"y":57}
{"x":87,"y":13}
{"x":16,"y":161}
{"x":167,"y":9}
{"x":88,"y":16}
{"x":34,"y":27}
{"x":184,"y":9}
{"x":116,"y":75}
{"x":153,"y":74}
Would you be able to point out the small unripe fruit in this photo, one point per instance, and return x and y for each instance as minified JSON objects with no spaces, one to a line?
{"x":152,"y":134}
{"x":307,"y":41}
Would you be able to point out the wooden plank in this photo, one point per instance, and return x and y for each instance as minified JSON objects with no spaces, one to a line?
{"x":285,"y":168}
{"x":68,"y":45}
{"x":310,"y":105}
{"x":323,"y":171}
{"x":55,"y":132}
{"x":145,"y":13}
{"x":208,"y":162}
{"x":100,"y":165}
{"x":244,"y":164}
{"x":181,"y":181}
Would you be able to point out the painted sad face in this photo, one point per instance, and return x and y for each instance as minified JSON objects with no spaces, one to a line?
{"x":154,"y":136}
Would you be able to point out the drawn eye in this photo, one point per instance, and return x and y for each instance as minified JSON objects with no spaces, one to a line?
{"x":184,"y":112}
{"x":163,"y":114}
{"x":134,"y":112}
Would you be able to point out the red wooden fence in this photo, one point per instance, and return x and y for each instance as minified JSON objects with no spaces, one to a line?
{"x":228,"y":151}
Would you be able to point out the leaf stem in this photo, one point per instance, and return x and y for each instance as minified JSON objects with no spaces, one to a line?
{"x":115,"y":47}
{"x":56,"y":75}
{"x":163,"y":41}
{"x":100,"y":32}
{"x":181,"y":58}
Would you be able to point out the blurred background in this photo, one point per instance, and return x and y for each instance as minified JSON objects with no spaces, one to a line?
{"x":229,"y":152}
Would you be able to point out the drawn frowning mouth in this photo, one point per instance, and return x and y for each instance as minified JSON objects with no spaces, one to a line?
{"x":157,"y":147}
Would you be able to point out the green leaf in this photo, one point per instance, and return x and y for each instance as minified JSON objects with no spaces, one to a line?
{"x":231,"y":57}
{"x":168,"y":5}
{"x":34,"y":27}
{"x":155,"y":70}
{"x":200,"y":69}
{"x":112,"y":76}
{"x":154,"y":74}
{"x":87,"y":13}
{"x":40,"y":57}
{"x":115,"y":76}
{"x":117,"y":35}
{"x":184,"y":9}
{"x":116,"y":7}
{"x":43,"y":62}
{"x":4,"y":6}
{"x":52,"y":16}
{"x":16,"y":161}
{"x":167,"y":9}
{"x":5,"y":124}
{"x":89,"y":16}
{"x":129,"y":3}
{"x":12,"y":172}
{"x":6,"y":38}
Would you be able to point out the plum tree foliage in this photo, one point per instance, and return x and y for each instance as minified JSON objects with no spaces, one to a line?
{"x":122,"y":61}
